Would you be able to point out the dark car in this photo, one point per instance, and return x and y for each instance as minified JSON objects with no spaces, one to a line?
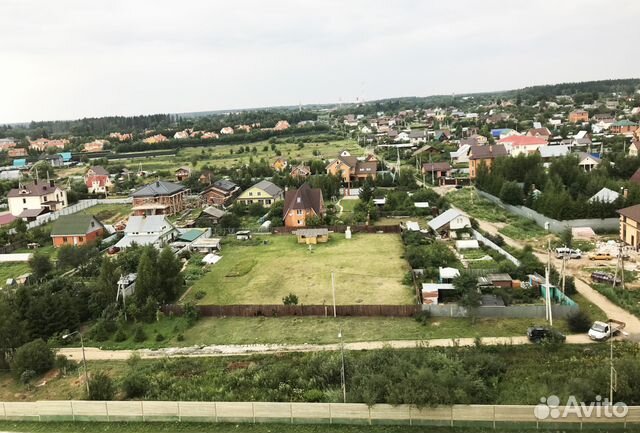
{"x":538,"y":334}
{"x":604,"y":277}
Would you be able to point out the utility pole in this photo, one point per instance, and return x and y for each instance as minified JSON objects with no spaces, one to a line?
{"x":619,"y":266}
{"x":333,"y":288}
{"x":548,"y":286}
{"x":613,"y":374}
{"x":342,"y":374}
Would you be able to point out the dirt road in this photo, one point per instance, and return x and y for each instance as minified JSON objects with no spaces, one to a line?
{"x":95,"y":354}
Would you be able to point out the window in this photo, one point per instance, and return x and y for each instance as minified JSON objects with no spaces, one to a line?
{"x":64,"y":239}
{"x":300,"y":222}
{"x":259,"y":193}
{"x":250,"y":194}
{"x":299,"y":212}
{"x":81,"y":239}
{"x":267,"y":201}
{"x":24,"y":201}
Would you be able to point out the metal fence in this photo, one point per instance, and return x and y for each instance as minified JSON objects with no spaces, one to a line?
{"x":358,"y":228}
{"x":482,"y":239}
{"x":510,"y":311}
{"x":555,"y":226}
{"x":491,"y":416}
{"x":277,"y":310}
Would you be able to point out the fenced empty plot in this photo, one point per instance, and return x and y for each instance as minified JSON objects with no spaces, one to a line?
{"x":368,"y":270}
{"x":490,"y":416}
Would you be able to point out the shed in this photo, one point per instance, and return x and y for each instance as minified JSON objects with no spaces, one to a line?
{"x":312,"y":236}
{"x":448,"y":274}
{"x":468,"y":244}
{"x":243,"y":235}
{"x":206,"y":245}
{"x":431,"y":291}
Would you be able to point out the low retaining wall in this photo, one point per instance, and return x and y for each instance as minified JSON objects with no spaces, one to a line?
{"x":555,"y":226}
{"x":488,"y":416}
{"x":511,"y":311}
{"x":278,"y":310}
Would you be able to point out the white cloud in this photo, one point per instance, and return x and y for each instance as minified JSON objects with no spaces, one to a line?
{"x":71,"y":58}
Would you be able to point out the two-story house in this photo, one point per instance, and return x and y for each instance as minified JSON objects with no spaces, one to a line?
{"x":484,"y":155}
{"x":221,"y":193}
{"x":154,"y":230}
{"x":97,"y":180}
{"x":301,"y":204}
{"x":37,"y":198}
{"x":350,"y":168}
{"x":159,"y":198}
{"x":264,"y":192}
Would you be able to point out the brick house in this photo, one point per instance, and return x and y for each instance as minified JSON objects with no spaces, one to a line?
{"x":97,"y":180}
{"x":159,"y":198}
{"x":42,"y":144}
{"x":221,"y":193}
{"x":17,"y":152}
{"x":301,"y":204}
{"x":578,"y":116}
{"x":94,"y":146}
{"x":438,"y":169}
{"x":76,"y":229}
{"x":623,"y":126}
{"x":479,"y":155}
{"x":349,"y":168}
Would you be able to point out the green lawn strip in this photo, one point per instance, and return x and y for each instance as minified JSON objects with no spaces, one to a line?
{"x":592,"y":309}
{"x":187,"y":427}
{"x":109,"y":213}
{"x":315,"y":330}
{"x":477,"y":207}
{"x":368,"y":269}
{"x":523,"y":229}
{"x":348,"y":205}
{"x":627,"y":299}
{"x":12,"y":270}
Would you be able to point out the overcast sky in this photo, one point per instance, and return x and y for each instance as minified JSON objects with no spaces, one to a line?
{"x":68,"y":59}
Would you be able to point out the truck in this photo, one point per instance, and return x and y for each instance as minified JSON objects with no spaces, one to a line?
{"x":601,"y":331}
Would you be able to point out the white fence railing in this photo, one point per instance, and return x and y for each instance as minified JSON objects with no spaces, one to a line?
{"x":75,"y":208}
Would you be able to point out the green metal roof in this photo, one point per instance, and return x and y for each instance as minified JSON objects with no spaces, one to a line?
{"x":191,"y":235}
{"x":78,"y":224}
{"x":625,"y":122}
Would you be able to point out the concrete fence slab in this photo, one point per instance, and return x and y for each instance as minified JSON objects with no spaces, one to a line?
{"x":160,"y":410}
{"x":90,"y":410}
{"x":55,"y":410}
{"x":197,"y":411}
{"x":391,"y":415}
{"x":125,"y":411}
{"x":272,"y":412}
{"x":350,"y":413}
{"x":318,"y":413}
{"x":21,"y":411}
{"x":234,"y":412}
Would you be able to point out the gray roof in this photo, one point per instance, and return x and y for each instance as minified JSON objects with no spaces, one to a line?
{"x":159,"y":187}
{"x":268,"y":187}
{"x":605,"y":195}
{"x":444,"y":218}
{"x":148,"y":224}
{"x":225,"y":184}
{"x":554,"y":151}
{"x":214,"y":212}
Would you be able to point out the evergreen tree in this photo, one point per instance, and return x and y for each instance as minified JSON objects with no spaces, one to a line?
{"x":169,"y":277}
{"x":147,"y":279}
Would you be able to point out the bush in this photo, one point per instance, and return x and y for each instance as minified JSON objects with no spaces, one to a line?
{"x":159,"y":337}
{"x":63,"y":364}
{"x":423,"y":317}
{"x":200,"y":294}
{"x":290,"y":299}
{"x":36,"y":356}
{"x":101,"y":387}
{"x":579,"y":321}
{"x":180,"y":337}
{"x":135,"y":384}
{"x":102,"y":330}
{"x":120,"y":336}
{"x":139,"y":335}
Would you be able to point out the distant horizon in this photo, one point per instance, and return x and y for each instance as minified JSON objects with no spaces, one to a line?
{"x":272,"y":107}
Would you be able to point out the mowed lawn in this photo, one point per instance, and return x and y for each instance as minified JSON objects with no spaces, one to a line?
{"x":368,"y":270}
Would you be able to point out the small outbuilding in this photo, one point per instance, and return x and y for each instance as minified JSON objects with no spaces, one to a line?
{"x":312,"y":236}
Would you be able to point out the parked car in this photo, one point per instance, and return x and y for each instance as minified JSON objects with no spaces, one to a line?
{"x":538,"y":334}
{"x":604,"y":277}
{"x":601,"y":331}
{"x":113,"y":250}
{"x":600,"y":256}
{"x":568,"y":253}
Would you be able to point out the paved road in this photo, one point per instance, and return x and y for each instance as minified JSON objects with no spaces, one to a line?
{"x":95,"y":354}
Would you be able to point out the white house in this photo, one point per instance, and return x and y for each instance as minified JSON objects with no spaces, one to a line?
{"x":522,"y":144}
{"x":448,"y":221}
{"x":31,"y":200}
{"x":588,"y":162}
{"x":634,"y":147}
{"x":402,"y":137}
{"x":154,"y":230}
{"x":461,"y":155}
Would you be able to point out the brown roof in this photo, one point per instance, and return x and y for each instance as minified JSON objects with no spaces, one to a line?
{"x":635,"y":178}
{"x":631,"y":212}
{"x":37,"y":188}
{"x":304,"y":197}
{"x":351,"y":161}
{"x":369,"y":167}
{"x":99,"y":171}
{"x":436,"y":166}
{"x":487,"y":152}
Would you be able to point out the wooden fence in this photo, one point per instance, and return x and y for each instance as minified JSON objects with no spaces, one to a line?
{"x":391,"y":228}
{"x":277,"y":310}
{"x":486,"y":416}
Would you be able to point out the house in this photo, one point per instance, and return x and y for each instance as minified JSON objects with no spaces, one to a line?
{"x":448,"y":221}
{"x":154,"y":139}
{"x":630,"y":225}
{"x":6,"y":218}
{"x":301,"y":204}
{"x":227,"y":130}
{"x":94,"y":146}
{"x":498,"y":117}
{"x":442,"y":135}
{"x":54,"y":160}
{"x":549,"y":152}
{"x":635,"y":177}
{"x":543,"y":133}
{"x":349,"y":168}
{"x":121,"y":137}
{"x":578,"y":116}
{"x":205,"y":245}
{"x":97,"y":180}
{"x":181,"y":135}
{"x":159,"y":198}
{"x":19,"y":151}
{"x":461,"y":155}
{"x":312,"y":236}
{"x":503,"y":132}
{"x":301,"y":171}
{"x":6,"y":144}
{"x":522,"y":144}
{"x":479,"y":139}
{"x":280,"y":164}
{"x":31,"y":200}
{"x":221,"y":193}
{"x":182,"y":173}
{"x":77,"y":229}
{"x":212,"y":214}
{"x":588,"y":162}
{"x":479,"y":155}
{"x":437,"y":169}
{"x":605,"y":195}
{"x":43,"y":144}
{"x":282,"y":125}
{"x":264,"y":192}
{"x":427,"y":150}
{"x":205,"y":177}
{"x":401,"y":137}
{"x":143,"y":230}
{"x":634,"y":147}
{"x":623,"y":126}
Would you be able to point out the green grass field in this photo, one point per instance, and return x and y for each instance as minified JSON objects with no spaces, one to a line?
{"x":317,"y":330}
{"x":368,"y":270}
{"x":109,"y":213}
{"x":470,"y":202}
{"x":12,"y":270}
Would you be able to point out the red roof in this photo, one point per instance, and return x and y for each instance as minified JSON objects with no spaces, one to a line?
{"x":6,"y":218}
{"x":100,"y":179}
{"x":522,"y":140}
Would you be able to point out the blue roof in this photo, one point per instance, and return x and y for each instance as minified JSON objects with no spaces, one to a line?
{"x":66,"y":156}
{"x":496,"y":132}
{"x":19,"y":162}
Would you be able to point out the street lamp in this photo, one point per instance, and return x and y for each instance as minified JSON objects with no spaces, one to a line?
{"x":84,"y":358}
{"x":342,"y":376}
